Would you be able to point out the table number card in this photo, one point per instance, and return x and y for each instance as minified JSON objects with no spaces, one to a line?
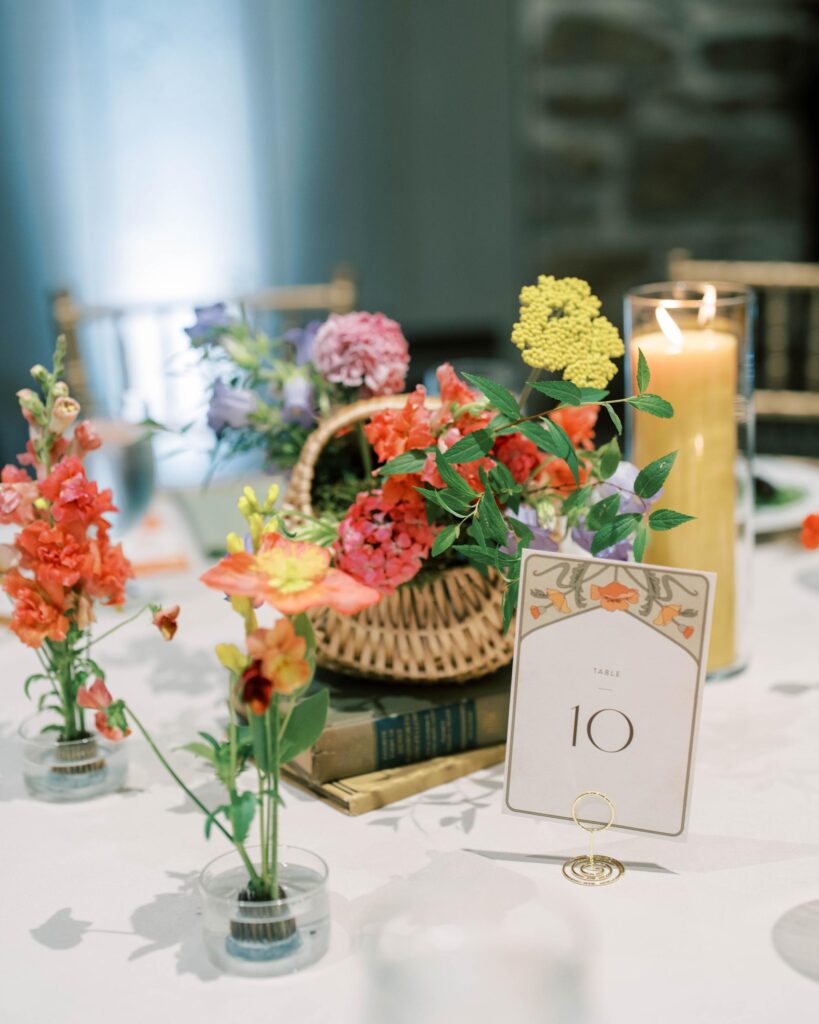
{"x":610,"y":661}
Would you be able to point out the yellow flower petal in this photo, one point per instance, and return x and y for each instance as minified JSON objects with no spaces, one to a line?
{"x":232,"y":658}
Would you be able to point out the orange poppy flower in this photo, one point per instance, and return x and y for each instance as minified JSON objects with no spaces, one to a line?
{"x":534,"y":611}
{"x":688,"y":632}
{"x":281,"y":653}
{"x":292,"y":576}
{"x":614,"y":597}
{"x":810,"y":531}
{"x":668,"y":612}
{"x":559,"y":601}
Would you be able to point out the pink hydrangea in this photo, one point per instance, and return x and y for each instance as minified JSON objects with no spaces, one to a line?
{"x":362,"y":350}
{"x":383,"y":545}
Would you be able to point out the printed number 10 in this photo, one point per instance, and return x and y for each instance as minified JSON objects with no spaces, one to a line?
{"x":590,"y":728}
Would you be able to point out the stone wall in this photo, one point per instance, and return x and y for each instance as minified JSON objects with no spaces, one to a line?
{"x":651,"y":124}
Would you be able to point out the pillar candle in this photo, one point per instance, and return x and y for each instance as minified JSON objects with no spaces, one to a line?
{"x":696,"y":370}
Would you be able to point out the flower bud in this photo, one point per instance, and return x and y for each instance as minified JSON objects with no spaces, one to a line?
{"x":272,"y":496}
{"x":63,"y":414}
{"x":60,"y":389}
{"x":31,"y":406}
{"x":86,"y":437}
{"x":39,"y":373}
{"x":234,"y":544}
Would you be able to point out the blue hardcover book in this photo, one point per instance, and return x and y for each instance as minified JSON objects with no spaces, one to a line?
{"x":372,"y":727}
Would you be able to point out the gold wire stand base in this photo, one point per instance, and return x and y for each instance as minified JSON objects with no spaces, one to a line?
{"x":598,"y":870}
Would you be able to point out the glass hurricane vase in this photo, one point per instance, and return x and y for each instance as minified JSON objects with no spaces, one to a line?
{"x":66,"y":771}
{"x":698,"y":340}
{"x":271,"y":937}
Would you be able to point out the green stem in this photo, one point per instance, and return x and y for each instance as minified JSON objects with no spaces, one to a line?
{"x":364,"y":448}
{"x":119,"y":625}
{"x":165,"y":764}
{"x":262,"y":829}
{"x":274,"y":815}
{"x":256,"y":881}
{"x":527,"y":387}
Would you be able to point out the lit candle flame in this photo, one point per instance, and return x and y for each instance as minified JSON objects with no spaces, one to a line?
{"x":669,"y":328}
{"x":708,"y":309}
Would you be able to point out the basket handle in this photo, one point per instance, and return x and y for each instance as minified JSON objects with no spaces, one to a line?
{"x":300,"y":487}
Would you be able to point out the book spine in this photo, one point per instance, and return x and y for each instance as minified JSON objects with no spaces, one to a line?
{"x":377,"y":789}
{"x":403,"y":739}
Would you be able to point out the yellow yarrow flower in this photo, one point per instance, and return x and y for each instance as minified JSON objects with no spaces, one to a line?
{"x":560,"y":328}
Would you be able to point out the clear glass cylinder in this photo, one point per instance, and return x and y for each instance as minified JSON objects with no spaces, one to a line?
{"x":266,"y":938}
{"x":61,"y":771}
{"x":698,"y":340}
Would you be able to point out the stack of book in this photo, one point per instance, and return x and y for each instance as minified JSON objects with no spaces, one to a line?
{"x":383,"y":743}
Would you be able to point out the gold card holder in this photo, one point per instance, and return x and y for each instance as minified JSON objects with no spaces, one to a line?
{"x":591,"y":868}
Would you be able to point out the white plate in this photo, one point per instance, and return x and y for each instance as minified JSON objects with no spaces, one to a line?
{"x":783,"y":472}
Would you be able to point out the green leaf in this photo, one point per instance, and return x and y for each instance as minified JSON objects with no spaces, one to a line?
{"x":258,"y":739}
{"x":242,"y":809}
{"x":643,"y":372}
{"x":476,"y":532}
{"x":612,"y":533}
{"x":201,"y":750}
{"x":222,"y":809}
{"x":667,"y":519}
{"x":653,"y":405}
{"x":453,"y":480}
{"x":603,"y":512}
{"x":503,"y":400}
{"x":561,"y":390}
{"x":480,"y":556}
{"x":576,"y":500}
{"x":446,"y":538}
{"x":304,"y":628}
{"x":652,"y":477}
{"x":408,"y":462}
{"x":444,"y":499}
{"x":37,"y":677}
{"x":570,"y":455}
{"x":610,"y":457}
{"x":591,"y":396}
{"x":305,"y":726}
{"x":471,"y":447}
{"x":640,"y":538}
{"x":206,"y":736}
{"x":490,"y":518}
{"x":501,"y":479}
{"x":544,"y":437}
{"x":509,"y":603}
{"x":615,"y":419}
{"x":523,"y":532}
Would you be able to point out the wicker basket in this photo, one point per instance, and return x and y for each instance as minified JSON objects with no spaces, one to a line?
{"x":444,"y":629}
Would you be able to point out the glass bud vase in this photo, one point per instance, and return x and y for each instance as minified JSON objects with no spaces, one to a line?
{"x":266,"y":938}
{"x":698,"y":340}
{"x":61,"y":771}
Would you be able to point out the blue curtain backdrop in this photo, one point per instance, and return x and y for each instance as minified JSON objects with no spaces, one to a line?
{"x":194,"y":148}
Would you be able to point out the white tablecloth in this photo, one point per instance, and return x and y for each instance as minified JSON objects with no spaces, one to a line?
{"x":99,"y":912}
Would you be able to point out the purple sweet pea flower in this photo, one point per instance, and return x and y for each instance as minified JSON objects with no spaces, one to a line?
{"x":302,"y":338}
{"x":230,"y":407}
{"x":542,"y":539}
{"x":621,"y":482}
{"x":297,"y":401}
{"x":208,"y":321}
